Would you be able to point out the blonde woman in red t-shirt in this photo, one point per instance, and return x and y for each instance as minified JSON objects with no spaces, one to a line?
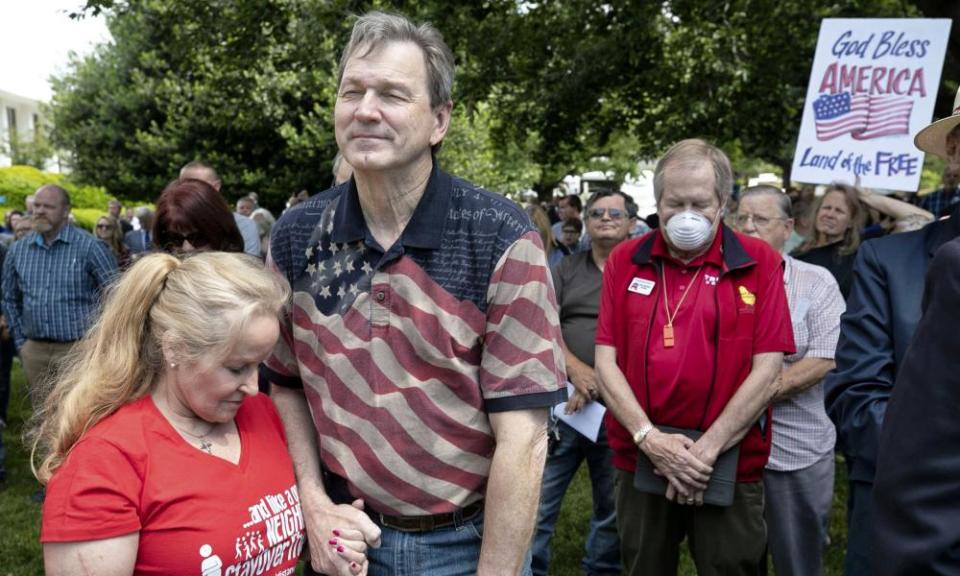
{"x":159,"y":455}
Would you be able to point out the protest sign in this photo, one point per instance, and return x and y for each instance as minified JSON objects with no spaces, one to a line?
{"x":872,"y":88}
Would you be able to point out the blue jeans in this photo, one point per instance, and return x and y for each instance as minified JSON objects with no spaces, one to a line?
{"x":603,"y":544}
{"x":450,"y":551}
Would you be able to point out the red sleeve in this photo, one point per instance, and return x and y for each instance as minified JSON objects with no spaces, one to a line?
{"x":773,"y":330}
{"x":94,"y":495}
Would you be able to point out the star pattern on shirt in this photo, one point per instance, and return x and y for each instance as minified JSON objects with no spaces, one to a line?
{"x":338,"y":272}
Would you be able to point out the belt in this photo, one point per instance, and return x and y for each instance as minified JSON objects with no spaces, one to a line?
{"x":428,"y":523}
{"x":51,"y":341}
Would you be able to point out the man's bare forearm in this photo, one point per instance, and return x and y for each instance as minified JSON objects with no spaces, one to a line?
{"x":301,"y":440}
{"x":513,"y":490}
{"x":616,"y":390}
{"x":801,"y":375}
{"x":747,"y":404}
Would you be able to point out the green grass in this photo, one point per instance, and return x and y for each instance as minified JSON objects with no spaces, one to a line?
{"x":20,"y":553}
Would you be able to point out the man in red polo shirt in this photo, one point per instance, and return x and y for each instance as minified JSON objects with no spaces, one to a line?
{"x":692,"y":330}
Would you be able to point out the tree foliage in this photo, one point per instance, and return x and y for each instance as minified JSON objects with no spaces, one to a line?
{"x":544,"y":88}
{"x":244,"y":85}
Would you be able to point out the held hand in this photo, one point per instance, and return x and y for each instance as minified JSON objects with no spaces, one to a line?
{"x":584,"y":381}
{"x":671,"y":455}
{"x":341,"y":533}
{"x":576,"y":402}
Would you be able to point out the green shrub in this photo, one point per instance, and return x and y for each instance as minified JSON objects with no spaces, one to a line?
{"x":18,"y":182}
{"x":86,"y":218}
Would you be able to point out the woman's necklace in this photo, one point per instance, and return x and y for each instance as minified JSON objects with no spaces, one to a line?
{"x":204,"y":444}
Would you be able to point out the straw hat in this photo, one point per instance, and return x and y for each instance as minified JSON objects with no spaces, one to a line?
{"x":933,"y":138}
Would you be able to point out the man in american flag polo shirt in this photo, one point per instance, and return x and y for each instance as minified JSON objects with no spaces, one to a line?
{"x":421,"y":352}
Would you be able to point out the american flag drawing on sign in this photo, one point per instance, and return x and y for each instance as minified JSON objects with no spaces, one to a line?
{"x":888,"y":115}
{"x":863,"y":116}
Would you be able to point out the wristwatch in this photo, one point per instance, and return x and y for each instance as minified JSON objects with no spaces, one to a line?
{"x":640,"y":435}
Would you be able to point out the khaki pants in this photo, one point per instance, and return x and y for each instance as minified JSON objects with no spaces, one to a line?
{"x":723,"y":540}
{"x":40,"y":362}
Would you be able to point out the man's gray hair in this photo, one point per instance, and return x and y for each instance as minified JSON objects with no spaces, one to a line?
{"x":142,"y":211}
{"x":690,"y":153}
{"x":783,"y":201}
{"x":373,"y":30}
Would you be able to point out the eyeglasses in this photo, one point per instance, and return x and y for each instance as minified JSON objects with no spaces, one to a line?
{"x":176,"y":240}
{"x":758,"y":221}
{"x":613,"y":213}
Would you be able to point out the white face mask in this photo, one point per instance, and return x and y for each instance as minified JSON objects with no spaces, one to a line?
{"x":689,"y":231}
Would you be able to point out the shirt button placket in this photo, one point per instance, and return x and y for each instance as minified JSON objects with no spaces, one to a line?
{"x":380,"y":313}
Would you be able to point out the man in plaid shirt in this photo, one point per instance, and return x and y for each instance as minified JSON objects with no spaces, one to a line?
{"x":799,"y":475}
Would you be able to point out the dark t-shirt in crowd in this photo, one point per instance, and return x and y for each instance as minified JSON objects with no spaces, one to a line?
{"x":840,"y":265}
{"x":577,"y":281}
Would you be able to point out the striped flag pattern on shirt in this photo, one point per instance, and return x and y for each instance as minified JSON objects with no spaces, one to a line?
{"x":400,"y":380}
{"x":862,"y":116}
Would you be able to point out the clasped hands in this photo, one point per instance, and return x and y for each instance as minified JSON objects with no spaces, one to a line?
{"x":585,"y":389}
{"x":339,"y":536}
{"x":687,"y":465}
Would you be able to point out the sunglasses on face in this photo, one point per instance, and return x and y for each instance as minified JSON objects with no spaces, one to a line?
{"x":103,"y":226}
{"x":613,"y":213}
{"x":176,"y":239}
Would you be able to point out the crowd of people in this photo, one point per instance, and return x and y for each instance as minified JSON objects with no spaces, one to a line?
{"x":368,"y":383}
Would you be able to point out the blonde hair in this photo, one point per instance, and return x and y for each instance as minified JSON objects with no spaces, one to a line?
{"x":115,"y":241}
{"x":540,"y":219}
{"x":199,"y":303}
{"x":851,"y":236}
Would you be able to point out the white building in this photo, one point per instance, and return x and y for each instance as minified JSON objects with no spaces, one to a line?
{"x":20,"y":117}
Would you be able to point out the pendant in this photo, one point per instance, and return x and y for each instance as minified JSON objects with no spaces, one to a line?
{"x":668,"y":336}
{"x":206,"y":446}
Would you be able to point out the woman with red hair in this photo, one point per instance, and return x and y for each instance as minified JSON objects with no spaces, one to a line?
{"x":193,"y":216}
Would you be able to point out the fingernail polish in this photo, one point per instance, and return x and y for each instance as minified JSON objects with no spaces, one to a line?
{"x":340,"y":549}
{"x":336,"y":532}
{"x":332,"y":541}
